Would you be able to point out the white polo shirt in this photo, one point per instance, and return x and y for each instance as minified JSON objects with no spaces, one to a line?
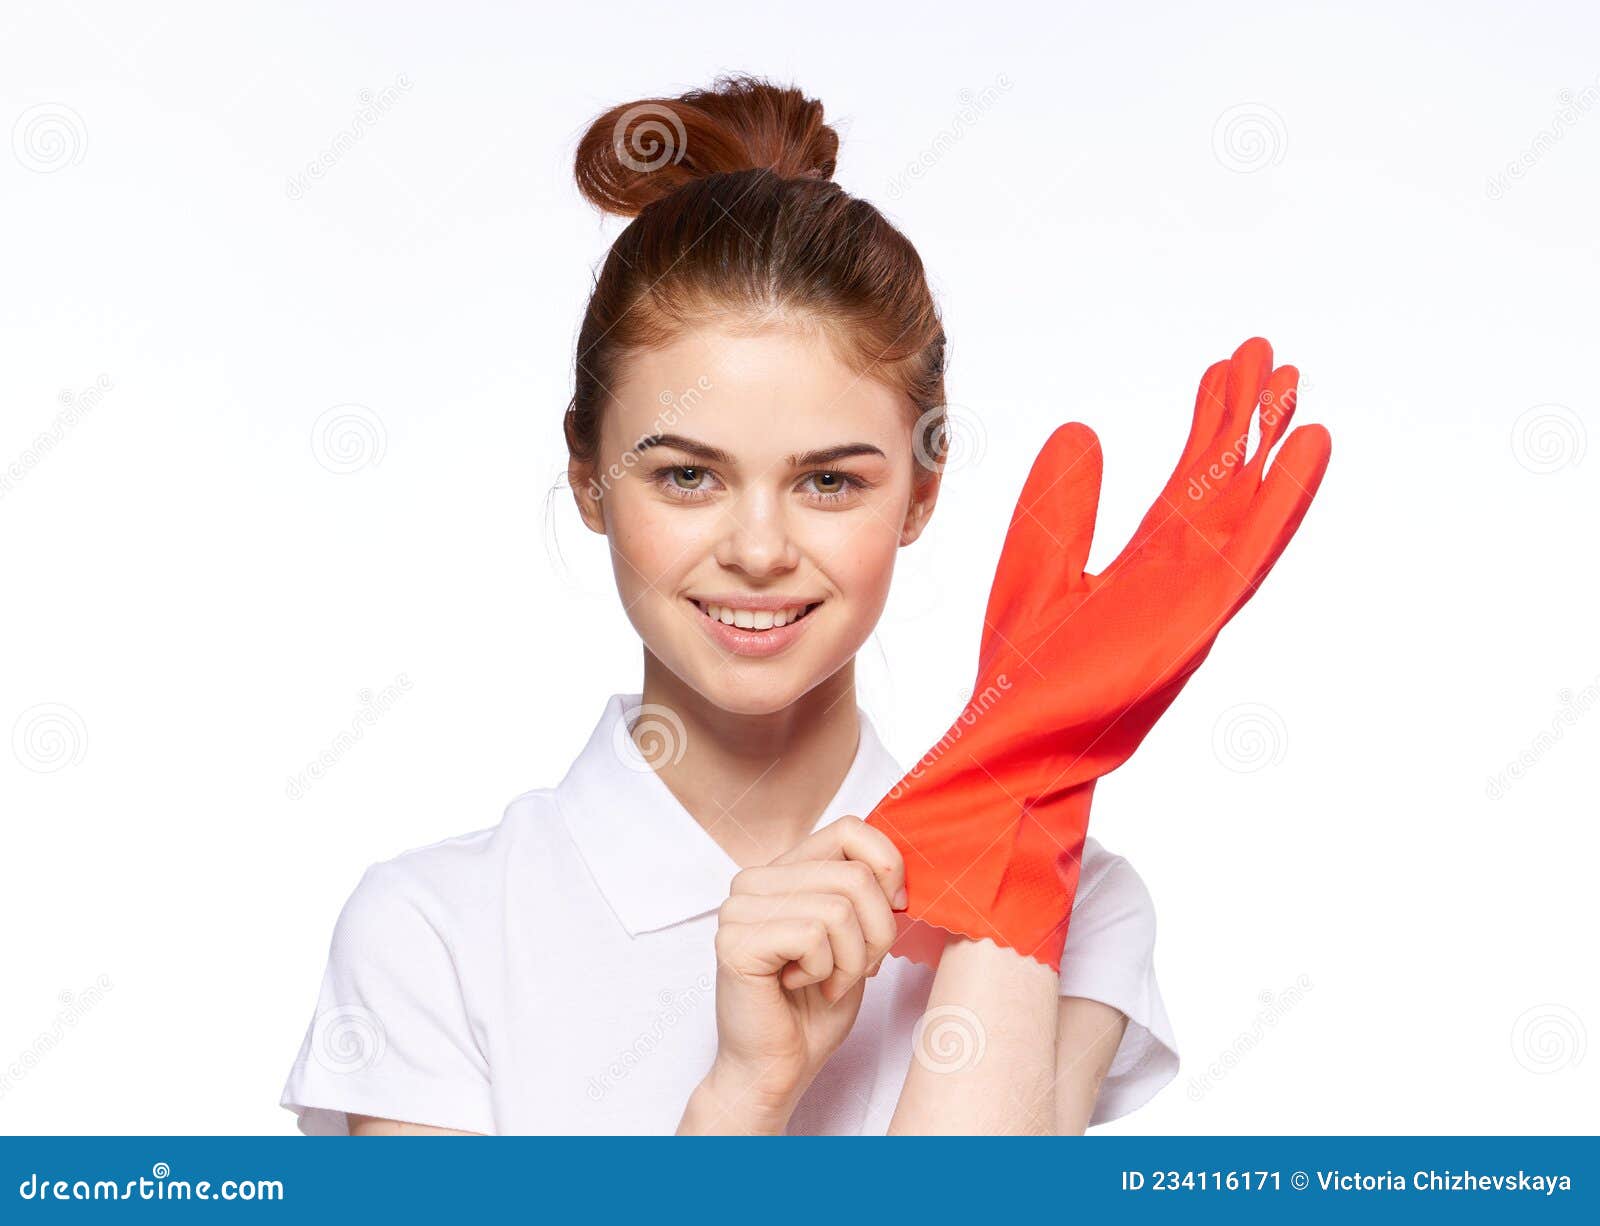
{"x":556,"y":973}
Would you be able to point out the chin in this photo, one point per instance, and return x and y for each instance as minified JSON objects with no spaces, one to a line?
{"x":744,"y":688}
{"x":754,"y":687}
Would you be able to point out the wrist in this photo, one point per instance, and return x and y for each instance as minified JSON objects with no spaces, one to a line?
{"x":729,"y":1100}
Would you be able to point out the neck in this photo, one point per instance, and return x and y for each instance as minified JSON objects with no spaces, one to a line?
{"x":758,"y":783}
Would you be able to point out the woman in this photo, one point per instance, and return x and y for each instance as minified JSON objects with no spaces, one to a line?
{"x":680,"y":935}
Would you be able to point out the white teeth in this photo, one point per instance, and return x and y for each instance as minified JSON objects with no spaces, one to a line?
{"x":753,"y":619}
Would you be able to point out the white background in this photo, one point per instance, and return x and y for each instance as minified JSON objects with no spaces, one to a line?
{"x":193,"y":600}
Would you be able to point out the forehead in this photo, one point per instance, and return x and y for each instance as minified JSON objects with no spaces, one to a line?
{"x":755,"y":394}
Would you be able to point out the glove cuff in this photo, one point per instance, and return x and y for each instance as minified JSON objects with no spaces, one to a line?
{"x":1030,"y":908}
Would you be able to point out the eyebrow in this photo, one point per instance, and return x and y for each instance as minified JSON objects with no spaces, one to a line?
{"x":716,"y":455}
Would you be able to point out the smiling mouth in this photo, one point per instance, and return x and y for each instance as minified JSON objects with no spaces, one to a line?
{"x":755,"y":620}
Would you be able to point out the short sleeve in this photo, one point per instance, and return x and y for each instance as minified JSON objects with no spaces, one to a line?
{"x":391,"y":1036}
{"x":1110,"y":957}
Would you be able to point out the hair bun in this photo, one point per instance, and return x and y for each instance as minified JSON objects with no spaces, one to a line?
{"x":635,"y":154}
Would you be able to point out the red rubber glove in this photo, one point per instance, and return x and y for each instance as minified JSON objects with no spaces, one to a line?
{"x":1075,"y":669}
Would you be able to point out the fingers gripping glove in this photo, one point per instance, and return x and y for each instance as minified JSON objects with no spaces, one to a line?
{"x":1074,"y":669}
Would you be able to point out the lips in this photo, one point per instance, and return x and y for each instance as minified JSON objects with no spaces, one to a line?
{"x":753,"y":632}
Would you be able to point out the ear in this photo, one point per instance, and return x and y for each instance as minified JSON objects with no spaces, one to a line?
{"x":924,"y":494}
{"x":587,"y":491}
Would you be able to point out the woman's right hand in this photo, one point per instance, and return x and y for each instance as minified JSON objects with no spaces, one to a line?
{"x":796,"y":941}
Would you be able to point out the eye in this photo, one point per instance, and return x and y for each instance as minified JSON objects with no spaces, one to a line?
{"x":688,"y":477}
{"x":685,"y":481}
{"x":827,"y":486}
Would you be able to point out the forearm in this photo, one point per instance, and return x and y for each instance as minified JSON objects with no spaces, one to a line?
{"x":985,"y":1052}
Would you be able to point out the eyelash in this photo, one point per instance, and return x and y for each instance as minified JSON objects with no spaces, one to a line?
{"x":662,"y":477}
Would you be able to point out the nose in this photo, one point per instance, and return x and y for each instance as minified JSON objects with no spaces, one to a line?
{"x":755,"y":536}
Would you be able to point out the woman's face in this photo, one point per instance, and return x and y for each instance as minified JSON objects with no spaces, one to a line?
{"x":754,"y":491}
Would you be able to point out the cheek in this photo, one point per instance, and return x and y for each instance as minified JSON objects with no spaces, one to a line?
{"x":858,"y":558}
{"x":653,"y":543}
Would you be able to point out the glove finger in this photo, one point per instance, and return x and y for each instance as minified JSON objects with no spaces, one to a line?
{"x":1208,"y":462}
{"x":1210,"y":402}
{"x":1285,"y":496}
{"x":1277,"y":407}
{"x":1247,"y":379}
{"x":1186,"y":485}
{"x":1053,"y":523}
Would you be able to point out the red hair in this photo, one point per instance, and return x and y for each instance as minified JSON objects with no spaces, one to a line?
{"x":737,"y":218}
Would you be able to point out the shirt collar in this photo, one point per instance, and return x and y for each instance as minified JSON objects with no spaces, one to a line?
{"x":653,"y":862}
